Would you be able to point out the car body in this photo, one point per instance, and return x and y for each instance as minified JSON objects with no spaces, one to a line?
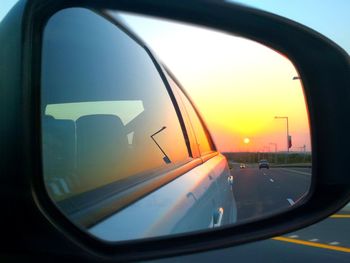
{"x":264,"y":164}
{"x":242,"y":166}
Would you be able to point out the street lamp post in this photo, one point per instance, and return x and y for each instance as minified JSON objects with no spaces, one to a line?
{"x":286,"y":118}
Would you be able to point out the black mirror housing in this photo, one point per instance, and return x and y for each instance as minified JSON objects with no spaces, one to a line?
{"x":323,"y":66}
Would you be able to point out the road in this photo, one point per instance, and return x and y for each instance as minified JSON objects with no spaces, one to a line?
{"x":268,"y":191}
{"x":265,"y":191}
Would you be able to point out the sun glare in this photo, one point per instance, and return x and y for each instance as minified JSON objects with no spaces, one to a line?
{"x":246,"y":140}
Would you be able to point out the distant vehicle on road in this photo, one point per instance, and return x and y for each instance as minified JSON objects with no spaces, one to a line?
{"x":264,"y":164}
{"x":242,"y":166}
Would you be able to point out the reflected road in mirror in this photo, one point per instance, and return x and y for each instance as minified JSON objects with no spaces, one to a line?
{"x":267,"y":191}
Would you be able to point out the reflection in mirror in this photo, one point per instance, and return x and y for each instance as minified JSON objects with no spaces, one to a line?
{"x":127,"y":155}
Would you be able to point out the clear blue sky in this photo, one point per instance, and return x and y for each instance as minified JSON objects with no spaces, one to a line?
{"x":329,"y":17}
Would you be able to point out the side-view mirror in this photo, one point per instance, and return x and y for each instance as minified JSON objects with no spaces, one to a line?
{"x":132,"y":133}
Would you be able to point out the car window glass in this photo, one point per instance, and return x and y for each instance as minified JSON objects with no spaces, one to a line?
{"x":199,"y":132}
{"x":107,"y":117}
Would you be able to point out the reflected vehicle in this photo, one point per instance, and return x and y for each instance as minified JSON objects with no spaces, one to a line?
{"x":242,"y":166}
{"x":264,"y":164}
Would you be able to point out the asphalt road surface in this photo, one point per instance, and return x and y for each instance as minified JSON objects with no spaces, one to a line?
{"x":266,"y":191}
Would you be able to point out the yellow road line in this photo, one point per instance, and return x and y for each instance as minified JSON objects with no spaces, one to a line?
{"x":340,"y":216}
{"x":312,"y":244}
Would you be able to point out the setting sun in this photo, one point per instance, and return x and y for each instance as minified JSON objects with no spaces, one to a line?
{"x":246,"y":140}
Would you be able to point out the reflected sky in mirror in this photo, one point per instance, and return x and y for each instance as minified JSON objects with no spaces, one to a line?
{"x":248,"y":84}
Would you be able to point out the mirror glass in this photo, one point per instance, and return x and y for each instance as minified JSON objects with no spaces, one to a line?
{"x":153,"y":128}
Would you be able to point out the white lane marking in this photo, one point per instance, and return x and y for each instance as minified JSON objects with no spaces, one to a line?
{"x":271,"y":180}
{"x":334,"y":243}
{"x":264,"y":173}
{"x":295,"y":171}
{"x":313,"y":240}
{"x":294,"y":236}
{"x":290,"y":201}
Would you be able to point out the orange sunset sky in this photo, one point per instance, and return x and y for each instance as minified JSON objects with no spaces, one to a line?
{"x":238,"y":85}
